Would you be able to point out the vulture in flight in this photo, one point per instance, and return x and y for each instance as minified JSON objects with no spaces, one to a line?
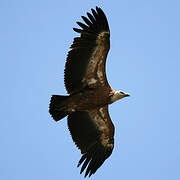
{"x":89,"y":93}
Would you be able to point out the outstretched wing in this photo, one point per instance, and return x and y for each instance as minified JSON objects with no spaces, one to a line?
{"x":85,"y":65}
{"x":93,"y":133}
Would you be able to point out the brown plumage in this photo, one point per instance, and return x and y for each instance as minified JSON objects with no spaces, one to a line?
{"x":89,"y":92}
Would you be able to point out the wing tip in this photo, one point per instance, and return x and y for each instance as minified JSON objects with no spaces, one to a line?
{"x":95,"y":22}
{"x":93,"y":160}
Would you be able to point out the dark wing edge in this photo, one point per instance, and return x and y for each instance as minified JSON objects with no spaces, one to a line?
{"x":82,"y":49}
{"x":93,"y":133}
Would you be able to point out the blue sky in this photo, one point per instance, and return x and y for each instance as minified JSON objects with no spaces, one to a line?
{"x":144,"y":60}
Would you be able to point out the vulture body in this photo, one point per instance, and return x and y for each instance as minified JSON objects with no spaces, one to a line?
{"x":89,"y":92}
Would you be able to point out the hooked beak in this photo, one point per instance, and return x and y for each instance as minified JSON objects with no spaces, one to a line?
{"x":126,"y":95}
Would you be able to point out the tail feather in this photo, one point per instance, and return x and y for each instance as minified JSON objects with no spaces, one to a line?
{"x":56,"y":109}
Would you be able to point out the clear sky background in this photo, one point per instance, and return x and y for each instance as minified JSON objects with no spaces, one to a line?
{"x":144,"y":60}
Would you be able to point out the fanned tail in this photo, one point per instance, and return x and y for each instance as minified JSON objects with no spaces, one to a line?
{"x":56,"y":108}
